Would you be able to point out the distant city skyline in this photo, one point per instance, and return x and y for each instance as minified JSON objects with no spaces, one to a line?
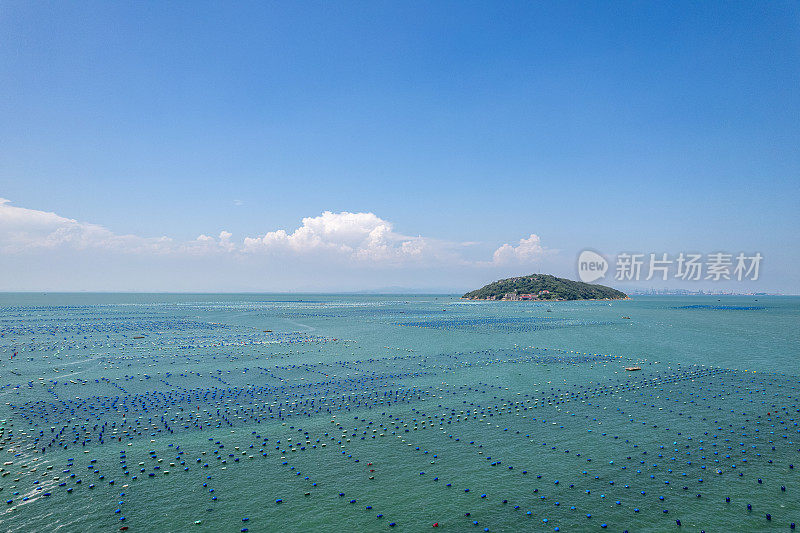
{"x":352,"y":147}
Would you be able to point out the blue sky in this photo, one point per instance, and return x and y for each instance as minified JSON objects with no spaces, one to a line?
{"x":464,"y":126}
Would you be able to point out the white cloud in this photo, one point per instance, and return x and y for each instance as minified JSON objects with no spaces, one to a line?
{"x":527,"y":251}
{"x":356,"y":238}
{"x":29,"y":229}
{"x":225,"y":240}
{"x":359,"y":236}
{"x":205,"y":244}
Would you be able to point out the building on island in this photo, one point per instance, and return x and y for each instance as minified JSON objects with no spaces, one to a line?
{"x":515,"y":297}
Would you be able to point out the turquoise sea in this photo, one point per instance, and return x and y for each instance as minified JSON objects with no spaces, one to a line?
{"x":275,"y":412}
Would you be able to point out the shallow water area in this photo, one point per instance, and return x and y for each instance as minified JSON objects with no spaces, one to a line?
{"x":332,"y":412}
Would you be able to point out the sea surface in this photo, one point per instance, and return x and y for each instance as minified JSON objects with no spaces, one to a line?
{"x":275,"y":412}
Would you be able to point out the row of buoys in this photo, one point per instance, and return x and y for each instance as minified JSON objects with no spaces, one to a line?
{"x":164,"y":405}
{"x":722,"y":307}
{"x":504,"y":324}
{"x":661,"y":498}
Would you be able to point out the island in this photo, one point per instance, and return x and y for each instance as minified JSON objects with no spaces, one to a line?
{"x":540,"y":287}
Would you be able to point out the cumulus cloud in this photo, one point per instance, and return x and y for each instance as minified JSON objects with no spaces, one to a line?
{"x":29,"y":229}
{"x":205,"y":244}
{"x":528,"y":250}
{"x":360,"y":236}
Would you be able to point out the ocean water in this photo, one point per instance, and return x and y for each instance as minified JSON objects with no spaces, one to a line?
{"x":257,"y":412}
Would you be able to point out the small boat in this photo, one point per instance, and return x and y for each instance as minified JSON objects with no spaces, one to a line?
{"x":626,"y":317}
{"x":139,"y":337}
{"x":632,"y":368}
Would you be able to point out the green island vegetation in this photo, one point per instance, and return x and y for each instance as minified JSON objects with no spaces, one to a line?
{"x":543,"y":287}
